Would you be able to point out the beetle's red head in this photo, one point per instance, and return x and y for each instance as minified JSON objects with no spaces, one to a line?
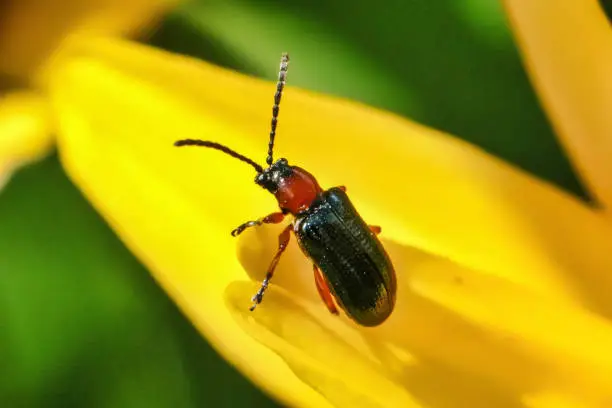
{"x":294,"y":188}
{"x":271,"y":177}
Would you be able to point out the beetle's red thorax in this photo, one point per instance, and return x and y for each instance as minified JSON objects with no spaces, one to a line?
{"x":296,"y":192}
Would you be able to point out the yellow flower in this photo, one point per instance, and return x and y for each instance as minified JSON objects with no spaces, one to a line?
{"x":25,"y":124}
{"x":503,"y":280}
{"x":570,"y":58}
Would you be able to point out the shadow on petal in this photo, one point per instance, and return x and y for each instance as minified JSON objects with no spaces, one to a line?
{"x":256,"y":248}
{"x":315,"y":354}
{"x":423,"y":347}
{"x":481,"y":329}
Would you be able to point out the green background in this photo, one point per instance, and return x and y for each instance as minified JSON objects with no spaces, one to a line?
{"x":83,"y":323}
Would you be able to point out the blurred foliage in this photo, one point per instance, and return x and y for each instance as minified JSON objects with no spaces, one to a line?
{"x":606,"y":5}
{"x":449,"y":64}
{"x":83,"y":324}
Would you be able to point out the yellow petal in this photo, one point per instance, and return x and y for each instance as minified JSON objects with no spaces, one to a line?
{"x":509,"y":237}
{"x":30,"y":31}
{"x":552,"y":400}
{"x":25,"y":133}
{"x":568,"y":52}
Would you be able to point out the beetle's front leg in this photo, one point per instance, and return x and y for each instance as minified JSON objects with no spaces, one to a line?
{"x":273,"y":218}
{"x":283,"y":241}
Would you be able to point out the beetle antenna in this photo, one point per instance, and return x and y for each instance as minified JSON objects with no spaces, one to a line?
{"x":282,"y":76}
{"x":217,"y":146}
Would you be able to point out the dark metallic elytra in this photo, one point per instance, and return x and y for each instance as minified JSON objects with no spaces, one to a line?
{"x":356,"y":266}
{"x":350,"y":265}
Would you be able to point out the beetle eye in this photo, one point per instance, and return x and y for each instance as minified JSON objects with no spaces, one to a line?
{"x":283,"y":162}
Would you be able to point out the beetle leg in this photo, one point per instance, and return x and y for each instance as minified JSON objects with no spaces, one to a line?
{"x":283,"y":241}
{"x":273,"y":218}
{"x":375,"y":229}
{"x":324,"y":291}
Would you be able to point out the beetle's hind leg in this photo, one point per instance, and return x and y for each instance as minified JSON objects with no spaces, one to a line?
{"x":274,"y":218}
{"x":283,"y":241}
{"x":375,"y":229}
{"x":324,"y":291}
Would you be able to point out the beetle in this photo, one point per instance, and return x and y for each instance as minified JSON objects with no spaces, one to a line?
{"x":350,"y":265}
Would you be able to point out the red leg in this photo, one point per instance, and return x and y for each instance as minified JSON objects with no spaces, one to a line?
{"x":273,"y":218}
{"x":283,"y":241}
{"x":323,"y":290}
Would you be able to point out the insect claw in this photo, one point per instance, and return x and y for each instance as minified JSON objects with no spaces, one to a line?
{"x":239,"y":229}
{"x":256,"y":299}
